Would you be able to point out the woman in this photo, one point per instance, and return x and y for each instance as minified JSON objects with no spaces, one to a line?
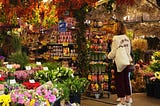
{"x":121,"y":76}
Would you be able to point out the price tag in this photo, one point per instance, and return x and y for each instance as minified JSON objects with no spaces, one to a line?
{"x":28,"y":67}
{"x":12,"y":81}
{"x":74,"y":58}
{"x":9,"y":66}
{"x":72,"y":75}
{"x":32,"y":81}
{"x":56,"y":57}
{"x":45,"y":68}
{"x":38,"y":63}
{"x":5,"y":63}
{"x":65,"y":44}
{"x":0,"y":75}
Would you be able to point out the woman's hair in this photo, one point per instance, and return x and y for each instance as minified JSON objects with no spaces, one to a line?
{"x":120,"y":28}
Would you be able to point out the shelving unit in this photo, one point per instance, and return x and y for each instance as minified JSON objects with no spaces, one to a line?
{"x":98,"y":72}
{"x":53,"y":44}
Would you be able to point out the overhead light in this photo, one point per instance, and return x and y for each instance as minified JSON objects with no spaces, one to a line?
{"x":47,"y":1}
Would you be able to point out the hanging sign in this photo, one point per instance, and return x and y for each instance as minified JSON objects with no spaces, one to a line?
{"x":62,"y":26}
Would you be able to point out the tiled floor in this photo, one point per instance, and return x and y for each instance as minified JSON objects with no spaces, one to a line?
{"x":139,"y":99}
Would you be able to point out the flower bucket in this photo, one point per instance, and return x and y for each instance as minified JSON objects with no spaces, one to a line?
{"x":57,"y":102}
{"x":97,"y":95}
{"x":75,"y":98}
{"x":157,"y":90}
{"x":150,"y":89}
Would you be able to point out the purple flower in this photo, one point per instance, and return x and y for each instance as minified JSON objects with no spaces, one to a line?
{"x":2,"y":57}
{"x":36,"y":103}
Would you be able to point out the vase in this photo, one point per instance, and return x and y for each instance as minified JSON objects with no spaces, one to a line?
{"x":150,"y":89}
{"x":75,"y":98}
{"x":97,"y":95}
{"x":56,"y":103}
{"x":157,"y":90}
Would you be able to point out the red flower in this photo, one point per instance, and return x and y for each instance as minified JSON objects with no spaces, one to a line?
{"x":1,"y":78}
{"x":29,"y":85}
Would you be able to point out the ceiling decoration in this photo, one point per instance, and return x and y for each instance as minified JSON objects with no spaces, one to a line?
{"x":144,"y":18}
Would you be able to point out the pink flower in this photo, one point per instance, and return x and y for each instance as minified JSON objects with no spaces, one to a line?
{"x":13,"y":98}
{"x":52,"y":98}
{"x":21,"y":100}
{"x":1,"y":87}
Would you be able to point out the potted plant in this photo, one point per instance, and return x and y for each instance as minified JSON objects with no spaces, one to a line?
{"x":153,"y":82}
{"x":77,"y":86}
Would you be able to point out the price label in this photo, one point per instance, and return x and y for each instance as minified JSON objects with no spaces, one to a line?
{"x":28,"y":67}
{"x":12,"y":81}
{"x":38,"y":63}
{"x":56,"y":57}
{"x":9,"y":66}
{"x":5,"y":63}
{"x":32,"y":81}
{"x":74,"y":58}
{"x":0,"y":75}
{"x":45,"y":68}
{"x":65,"y":44}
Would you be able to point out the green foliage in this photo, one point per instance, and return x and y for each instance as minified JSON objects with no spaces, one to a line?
{"x":137,"y":55}
{"x":51,"y":65}
{"x":76,"y":84}
{"x":156,"y":55}
{"x":16,"y":42}
{"x":19,"y":58}
{"x":155,"y":66}
{"x":3,"y":16}
{"x":55,"y":75}
{"x":3,"y":35}
{"x":64,"y":91}
{"x":109,"y":5}
{"x":82,"y":60}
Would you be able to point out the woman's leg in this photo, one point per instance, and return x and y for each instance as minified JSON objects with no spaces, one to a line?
{"x":128,"y":87}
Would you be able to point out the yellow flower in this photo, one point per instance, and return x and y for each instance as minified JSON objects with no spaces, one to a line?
{"x":157,"y":75}
{"x":32,"y":102}
{"x":47,"y":103}
{"x":5,"y":99}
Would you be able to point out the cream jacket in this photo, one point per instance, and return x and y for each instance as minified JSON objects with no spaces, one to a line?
{"x":120,"y":41}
